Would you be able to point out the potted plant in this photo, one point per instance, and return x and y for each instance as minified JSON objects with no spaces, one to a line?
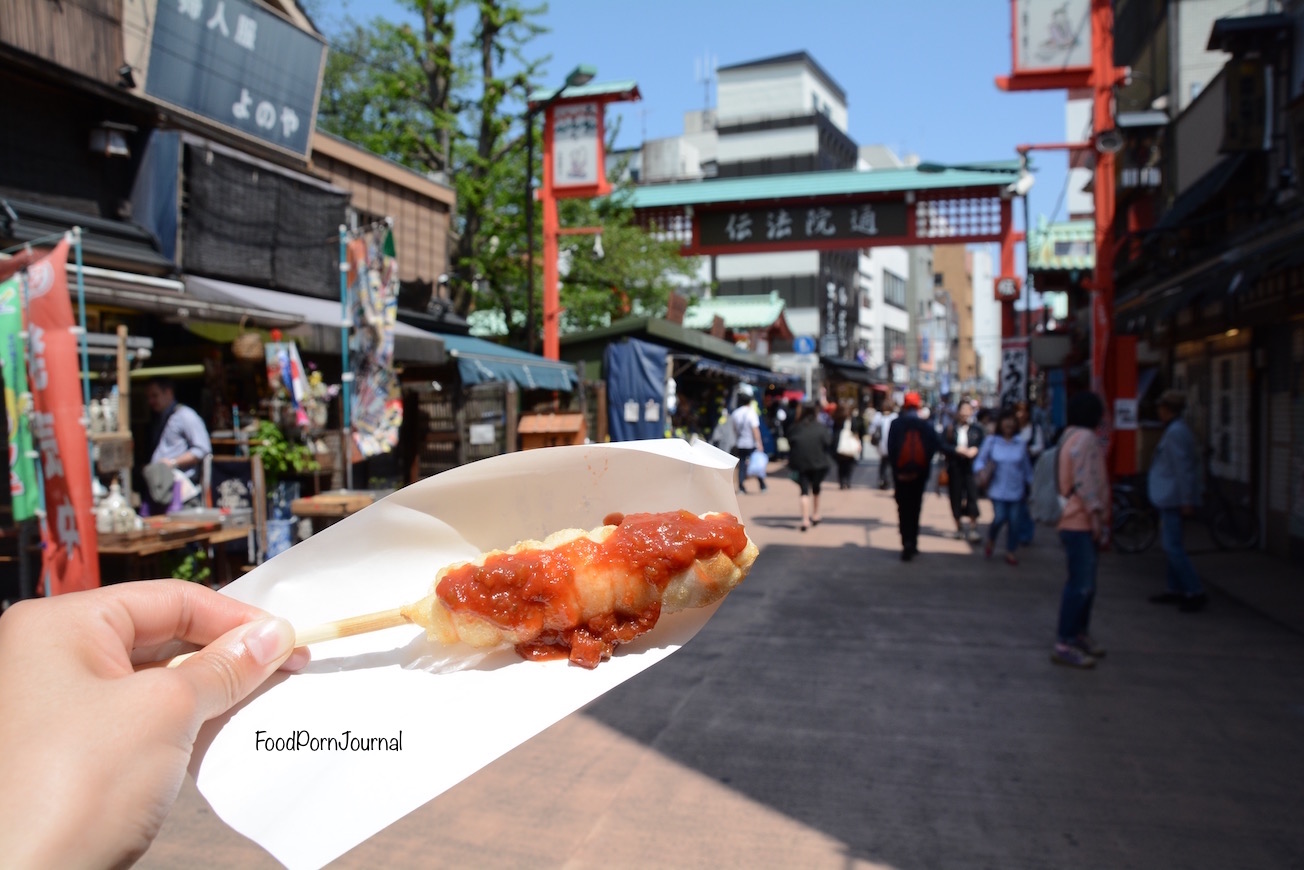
{"x":280,"y":458}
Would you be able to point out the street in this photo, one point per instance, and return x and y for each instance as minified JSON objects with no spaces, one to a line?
{"x":844,"y":709}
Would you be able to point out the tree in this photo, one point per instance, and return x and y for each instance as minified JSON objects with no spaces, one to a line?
{"x":417,"y":95}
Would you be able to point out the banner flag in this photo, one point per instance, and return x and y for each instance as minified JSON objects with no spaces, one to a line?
{"x":70,"y":551}
{"x":25,"y":495}
{"x":373,"y":292}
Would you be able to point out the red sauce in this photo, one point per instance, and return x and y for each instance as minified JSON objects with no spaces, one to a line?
{"x":535,"y":594}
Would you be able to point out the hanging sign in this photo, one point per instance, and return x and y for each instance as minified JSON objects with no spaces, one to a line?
{"x":70,"y":548}
{"x":834,"y":222}
{"x":22,"y":471}
{"x":1052,"y":35}
{"x":577,"y":145}
{"x":236,"y":63}
{"x":1014,"y":371}
{"x":373,"y":293}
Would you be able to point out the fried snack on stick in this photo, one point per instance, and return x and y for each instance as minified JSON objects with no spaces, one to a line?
{"x":581,"y":594}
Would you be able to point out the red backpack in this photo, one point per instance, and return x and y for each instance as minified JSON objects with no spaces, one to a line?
{"x":912,"y":459}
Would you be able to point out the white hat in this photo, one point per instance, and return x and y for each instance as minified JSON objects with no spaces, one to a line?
{"x":745,"y":390}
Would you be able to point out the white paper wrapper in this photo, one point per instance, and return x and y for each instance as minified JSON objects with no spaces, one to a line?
{"x":455,"y":709}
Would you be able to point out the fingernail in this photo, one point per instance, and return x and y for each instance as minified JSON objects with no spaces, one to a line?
{"x":298,"y":660}
{"x":268,"y":640}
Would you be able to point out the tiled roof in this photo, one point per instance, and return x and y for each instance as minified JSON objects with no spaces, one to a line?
{"x":737,"y":312}
{"x":842,"y":182}
{"x":1062,"y":246}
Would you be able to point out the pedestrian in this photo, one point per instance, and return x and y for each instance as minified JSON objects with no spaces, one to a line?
{"x":1083,"y":528}
{"x":1176,"y":490}
{"x":912,"y":443}
{"x":1002,"y":464}
{"x":178,"y":443}
{"x":808,"y":459}
{"x":883,"y":426}
{"x":965,"y":437}
{"x":848,"y":428}
{"x":96,"y":750}
{"x":1035,"y":443}
{"x":745,"y":425}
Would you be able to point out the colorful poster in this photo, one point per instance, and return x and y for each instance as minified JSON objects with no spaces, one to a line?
{"x":576,"y":147}
{"x":22,"y":471}
{"x":373,"y":294}
{"x":285,"y":371}
{"x":70,"y":548}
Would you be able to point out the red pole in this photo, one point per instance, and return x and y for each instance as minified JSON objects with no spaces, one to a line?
{"x":551,"y":225}
{"x":1008,"y":241}
{"x":1103,"y":76}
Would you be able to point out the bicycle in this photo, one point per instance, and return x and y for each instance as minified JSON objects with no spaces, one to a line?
{"x":1232,"y":523}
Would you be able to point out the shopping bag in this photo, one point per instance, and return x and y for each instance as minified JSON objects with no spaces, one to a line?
{"x":848,"y":442}
{"x":756,"y":464}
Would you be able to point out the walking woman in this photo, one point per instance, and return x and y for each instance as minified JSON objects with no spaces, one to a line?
{"x":808,"y":457}
{"x":846,"y":420}
{"x":1002,"y":464}
{"x":1083,"y":528}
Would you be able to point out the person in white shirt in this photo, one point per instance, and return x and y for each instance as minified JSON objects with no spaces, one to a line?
{"x":884,"y":425}
{"x":746,"y":426}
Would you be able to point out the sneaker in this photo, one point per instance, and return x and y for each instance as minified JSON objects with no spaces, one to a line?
{"x":1085,"y":643}
{"x":1166,"y":598}
{"x":1071,"y":657}
{"x":975,"y":536}
{"x":1193,"y":603}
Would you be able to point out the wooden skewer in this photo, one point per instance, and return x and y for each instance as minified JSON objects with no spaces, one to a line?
{"x":316,"y":634}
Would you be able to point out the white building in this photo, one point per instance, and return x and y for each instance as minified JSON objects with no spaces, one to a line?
{"x":986,"y":319}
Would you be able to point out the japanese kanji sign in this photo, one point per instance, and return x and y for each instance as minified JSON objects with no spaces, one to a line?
{"x":235,"y":63}
{"x":1014,"y":371}
{"x":70,"y":549}
{"x":577,"y":147}
{"x":837,"y":318}
{"x":809,"y":223}
{"x":22,"y":473}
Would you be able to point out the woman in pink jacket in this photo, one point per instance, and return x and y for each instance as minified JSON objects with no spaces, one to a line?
{"x":1083,"y":528}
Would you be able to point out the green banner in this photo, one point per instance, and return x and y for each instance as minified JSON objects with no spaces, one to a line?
{"x":22,"y":471}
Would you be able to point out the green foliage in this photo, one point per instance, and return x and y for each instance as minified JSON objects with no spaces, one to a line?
{"x":280,"y":456}
{"x":194,"y":567}
{"x":419,"y":95}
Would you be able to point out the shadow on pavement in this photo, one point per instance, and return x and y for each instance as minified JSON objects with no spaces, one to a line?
{"x":911,"y":712}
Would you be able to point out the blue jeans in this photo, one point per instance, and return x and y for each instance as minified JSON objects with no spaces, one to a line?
{"x":1007,"y":512}
{"x":1080,"y":589}
{"x":1182,"y":578}
{"x":1024,"y":524}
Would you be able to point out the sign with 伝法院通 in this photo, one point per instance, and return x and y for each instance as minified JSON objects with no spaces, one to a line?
{"x":838,"y":222}
{"x":237,"y":64}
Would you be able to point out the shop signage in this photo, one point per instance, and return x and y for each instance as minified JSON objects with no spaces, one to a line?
{"x":235,"y":63}
{"x":1052,"y":35}
{"x":836,"y":320}
{"x":1125,"y":415}
{"x":1007,"y":288}
{"x":23,"y":493}
{"x":69,"y":545}
{"x":803,"y":344}
{"x":866,"y":220}
{"x":576,"y":145}
{"x":1247,"y":118}
{"x":1014,"y":371}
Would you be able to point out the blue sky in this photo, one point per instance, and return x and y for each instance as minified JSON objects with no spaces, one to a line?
{"x":918,"y":75}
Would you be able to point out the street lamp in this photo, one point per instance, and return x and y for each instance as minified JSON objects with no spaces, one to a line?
{"x":581,"y":75}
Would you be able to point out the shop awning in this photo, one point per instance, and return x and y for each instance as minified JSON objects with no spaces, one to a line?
{"x":168,"y":299}
{"x":848,"y":370}
{"x":480,"y":362}
{"x":748,"y":374}
{"x":319,"y":329}
{"x":115,"y":244}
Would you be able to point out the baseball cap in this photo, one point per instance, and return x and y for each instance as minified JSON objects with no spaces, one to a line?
{"x":911,"y":400}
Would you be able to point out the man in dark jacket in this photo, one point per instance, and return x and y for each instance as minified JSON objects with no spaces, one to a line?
{"x":911,"y":445}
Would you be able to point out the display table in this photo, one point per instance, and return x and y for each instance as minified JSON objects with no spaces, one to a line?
{"x":326,"y":508}
{"x":134,"y":556}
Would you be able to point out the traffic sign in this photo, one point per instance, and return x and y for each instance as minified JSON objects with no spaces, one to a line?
{"x":803,"y":344}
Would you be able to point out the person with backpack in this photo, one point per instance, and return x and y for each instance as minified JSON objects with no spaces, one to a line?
{"x":911,"y":445}
{"x":1082,"y":495}
{"x":1003,"y":465}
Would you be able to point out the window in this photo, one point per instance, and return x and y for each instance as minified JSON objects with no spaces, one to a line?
{"x":894,"y":290}
{"x":894,"y":345}
{"x":938,"y":279}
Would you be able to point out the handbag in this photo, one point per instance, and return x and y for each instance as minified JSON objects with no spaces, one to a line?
{"x":984,"y":477}
{"x":247,"y":346}
{"x":943,"y":477}
{"x":848,"y":442}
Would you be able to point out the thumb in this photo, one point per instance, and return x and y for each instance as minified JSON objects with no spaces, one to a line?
{"x":223,"y":673}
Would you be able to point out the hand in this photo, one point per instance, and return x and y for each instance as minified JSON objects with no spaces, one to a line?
{"x":95,"y":750}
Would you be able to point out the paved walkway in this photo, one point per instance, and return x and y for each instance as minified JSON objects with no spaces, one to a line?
{"x":845,"y":710}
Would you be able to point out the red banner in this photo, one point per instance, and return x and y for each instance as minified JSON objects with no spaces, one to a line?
{"x":1100,"y":329}
{"x":70,"y":549}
